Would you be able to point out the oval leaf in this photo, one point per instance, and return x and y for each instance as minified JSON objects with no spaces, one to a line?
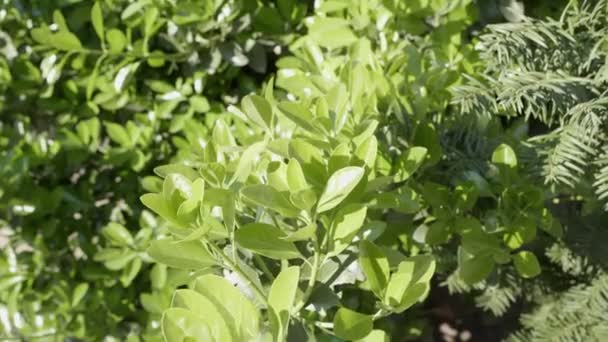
{"x":351,"y":325}
{"x":183,"y":254}
{"x":526,"y":264}
{"x":266,"y":240}
{"x":339,"y":185}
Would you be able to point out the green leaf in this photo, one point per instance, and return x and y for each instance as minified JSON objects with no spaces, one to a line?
{"x":133,"y":8}
{"x":304,"y":199}
{"x":60,"y":20}
{"x":245,"y":165}
{"x":165,"y":170}
{"x":340,"y":158}
{"x":473,"y":269}
{"x":301,"y":234}
{"x":221,"y":135}
{"x":258,"y":110}
{"x":526,"y":264}
{"x":158,"y":276}
{"x":476,"y":241}
{"x":158,"y":204}
{"x":65,"y":41}
{"x":351,"y":325}
{"x":130,"y":272}
{"x":376,"y":336}
{"x":409,"y":162}
{"x":118,"y":134}
{"x":331,"y":32}
{"x":41,"y":35}
{"x":206,"y":309}
{"x":79,"y":292}
{"x":504,"y":155}
{"x":267,"y":19}
{"x":181,"y":254}
{"x":266,"y":240}
{"x":118,"y":234}
{"x":179,"y":324}
{"x":375,"y":267}
{"x":114,"y":259}
{"x":346,"y":225}
{"x":267,"y":197}
{"x":282,"y":296}
{"x":295,"y":176}
{"x":230,"y":302}
{"x":427,"y":136}
{"x":97,"y":20}
{"x":410,"y":283}
{"x":521,"y":232}
{"x":299,"y":114}
{"x":176,"y":188}
{"x":339,"y":185}
{"x":367,"y":151}
{"x":116,"y":40}
{"x":200,"y":104}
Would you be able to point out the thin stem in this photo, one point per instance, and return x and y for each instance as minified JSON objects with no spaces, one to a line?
{"x":326,"y":327}
{"x":313,"y":278}
{"x":235,"y":267}
{"x":274,"y":219}
{"x":381,"y":313}
{"x":260,"y":262}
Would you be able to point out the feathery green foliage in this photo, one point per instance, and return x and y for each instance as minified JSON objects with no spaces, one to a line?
{"x":551,"y":72}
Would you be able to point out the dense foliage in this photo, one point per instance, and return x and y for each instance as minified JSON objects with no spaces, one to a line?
{"x":307,"y":171}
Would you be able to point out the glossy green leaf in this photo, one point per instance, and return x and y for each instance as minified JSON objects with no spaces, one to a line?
{"x":246,"y":162}
{"x":282,"y":296}
{"x":258,"y":110}
{"x":118,"y":234}
{"x":473,"y":269}
{"x":266,"y":240}
{"x":346,"y":224}
{"x":183,"y":255}
{"x":351,"y":325}
{"x":504,"y":155}
{"x":375,"y":267}
{"x":295,"y":176}
{"x":65,"y":41}
{"x":410,"y":283}
{"x":299,"y":114}
{"x":79,"y":292}
{"x":339,"y":185}
{"x":97,"y":20}
{"x":426,"y":136}
{"x":376,"y":336}
{"x":118,"y":134}
{"x":269,"y":198}
{"x":117,"y":41}
{"x":339,"y":158}
{"x":526,"y":264}
{"x":179,"y":324}
{"x":208,"y":312}
{"x":232,"y":303}
{"x":409,"y":162}
{"x":367,"y":151}
{"x":165,"y":170}
{"x":301,"y":234}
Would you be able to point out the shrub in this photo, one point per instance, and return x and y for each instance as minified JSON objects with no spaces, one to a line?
{"x":93,"y":94}
{"x":309,"y":171}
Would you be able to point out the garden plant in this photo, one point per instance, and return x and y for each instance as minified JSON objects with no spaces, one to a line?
{"x":291,"y":170}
